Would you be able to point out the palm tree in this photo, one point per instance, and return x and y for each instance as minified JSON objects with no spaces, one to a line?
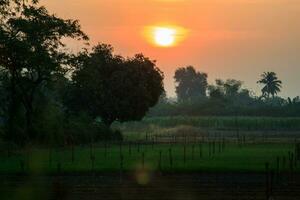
{"x":272,"y":85}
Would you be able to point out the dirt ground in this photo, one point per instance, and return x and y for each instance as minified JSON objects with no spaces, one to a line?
{"x":143,"y":185}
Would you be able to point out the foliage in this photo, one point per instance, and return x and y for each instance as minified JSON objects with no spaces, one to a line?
{"x":249,"y":158}
{"x":31,"y":51}
{"x":215,"y":123}
{"x":114,"y":88}
{"x":191,"y":84}
{"x":271,"y":84}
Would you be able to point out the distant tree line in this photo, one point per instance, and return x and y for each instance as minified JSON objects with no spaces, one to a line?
{"x":226,"y":97}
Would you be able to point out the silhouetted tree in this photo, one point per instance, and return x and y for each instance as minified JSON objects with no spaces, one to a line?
{"x":31,"y":52}
{"x":115,"y":88}
{"x":271,"y":84}
{"x":190,"y":84}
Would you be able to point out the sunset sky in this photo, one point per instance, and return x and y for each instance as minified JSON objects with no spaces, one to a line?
{"x":237,"y":39}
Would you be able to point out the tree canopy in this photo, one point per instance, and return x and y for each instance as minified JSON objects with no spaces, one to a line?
{"x":114,"y":88}
{"x":190,"y":83}
{"x":31,"y":52}
{"x":271,"y":84}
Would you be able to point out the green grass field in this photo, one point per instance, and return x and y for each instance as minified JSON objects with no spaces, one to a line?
{"x":248,"y":158}
{"x":219,"y":123}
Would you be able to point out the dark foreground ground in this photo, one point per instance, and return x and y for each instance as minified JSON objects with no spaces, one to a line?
{"x":144,"y":185}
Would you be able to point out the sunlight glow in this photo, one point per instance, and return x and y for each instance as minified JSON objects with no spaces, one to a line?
{"x":165,"y":36}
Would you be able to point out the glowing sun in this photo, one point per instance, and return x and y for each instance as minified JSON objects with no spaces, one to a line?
{"x":165,"y":36}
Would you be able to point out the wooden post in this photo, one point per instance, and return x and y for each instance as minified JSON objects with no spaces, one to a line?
{"x":283,"y":163}
{"x":50,"y":156}
{"x":121,"y":147}
{"x":143,"y":160}
{"x":184,"y":154}
{"x":277,"y":167}
{"x":72,"y":149}
{"x":267,"y":181}
{"x":121,"y":167}
{"x":170,"y":157}
{"x":193,"y":152}
{"x":93,"y":162}
{"x":105,"y":149}
{"x":223,"y":144}
{"x":152,"y":143}
{"x":159,"y":161}
{"x":200,"y":150}
{"x":292,"y":162}
{"x":209,"y":147}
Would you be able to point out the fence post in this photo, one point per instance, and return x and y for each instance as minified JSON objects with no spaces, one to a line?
{"x":170,"y":157}
{"x":200,"y":150}
{"x":50,"y":156}
{"x":105,"y":149}
{"x":267,"y":181}
{"x":184,"y":154}
{"x":159,"y":162}
{"x":143,"y":160}
{"x":121,"y":167}
{"x":209,"y":147}
{"x":223,"y":144}
{"x":72,"y":149}
{"x":278,"y":167}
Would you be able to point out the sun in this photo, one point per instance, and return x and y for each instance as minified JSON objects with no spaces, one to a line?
{"x":164,"y":37}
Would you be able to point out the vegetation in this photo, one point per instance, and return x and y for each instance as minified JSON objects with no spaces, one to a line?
{"x":51,"y":96}
{"x":271,"y":84}
{"x":113,"y":158}
{"x":114,"y":88}
{"x":47,"y":91}
{"x":191,"y":85}
{"x":215,"y":123}
{"x":225,"y":98}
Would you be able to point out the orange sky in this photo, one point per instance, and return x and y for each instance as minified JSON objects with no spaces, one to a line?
{"x":226,"y":38}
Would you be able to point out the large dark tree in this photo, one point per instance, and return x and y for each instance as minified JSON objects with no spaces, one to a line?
{"x":31,"y":52}
{"x":271,"y":84}
{"x":190,"y":84}
{"x":115,"y":88}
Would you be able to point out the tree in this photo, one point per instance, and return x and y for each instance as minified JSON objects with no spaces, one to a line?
{"x":271,"y":84}
{"x":190,"y":84}
{"x":114,"y":88}
{"x":31,"y":52}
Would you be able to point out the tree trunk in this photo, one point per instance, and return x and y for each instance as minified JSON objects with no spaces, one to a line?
{"x":12,"y":112}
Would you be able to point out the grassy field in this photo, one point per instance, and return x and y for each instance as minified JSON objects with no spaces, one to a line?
{"x":250,"y":144}
{"x":231,"y":157}
{"x":217,"y":123}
